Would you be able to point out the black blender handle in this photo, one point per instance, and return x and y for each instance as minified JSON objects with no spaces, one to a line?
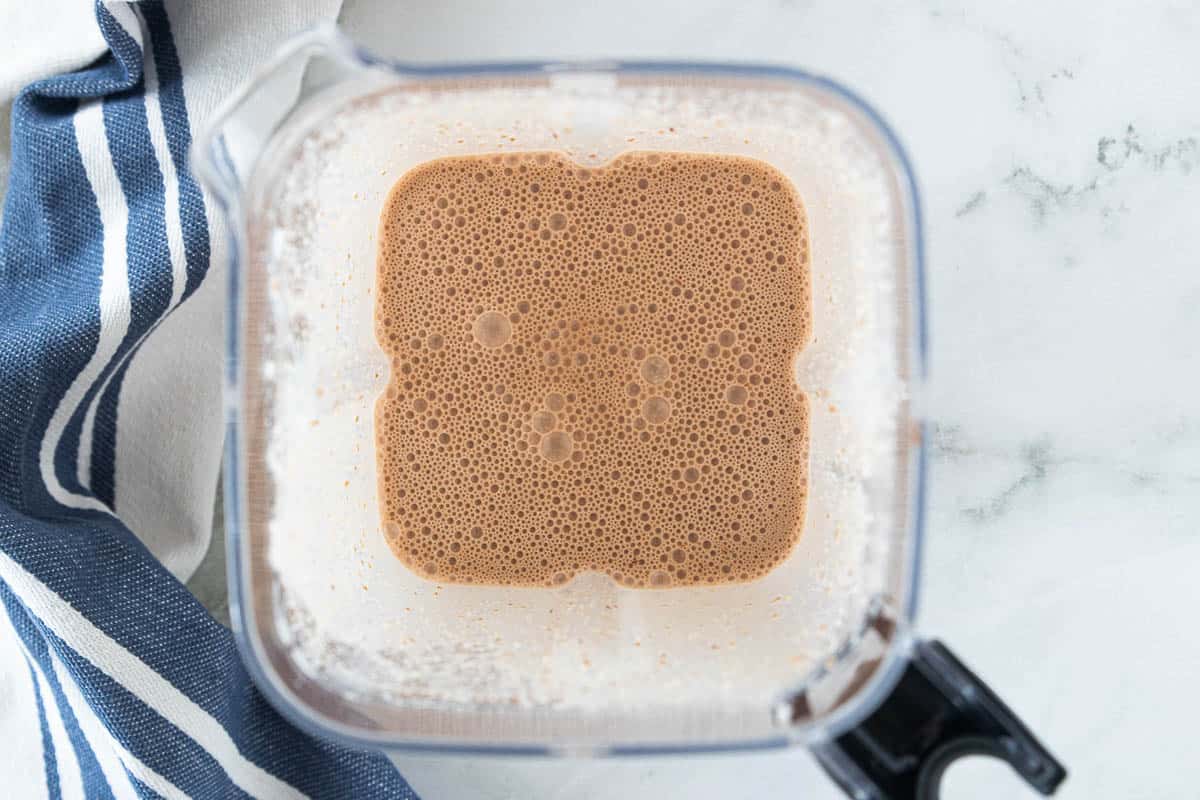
{"x":937,"y":713}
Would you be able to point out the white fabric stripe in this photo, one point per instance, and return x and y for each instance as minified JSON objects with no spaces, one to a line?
{"x":70,"y":782}
{"x":130,"y":20}
{"x":83,"y":464}
{"x":25,"y":750}
{"x":114,"y":301}
{"x":138,"y":678}
{"x":97,"y":737}
{"x":162,"y":151}
{"x":97,"y":734}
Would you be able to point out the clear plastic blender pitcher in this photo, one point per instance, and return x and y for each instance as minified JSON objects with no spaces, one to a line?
{"x":351,"y":645}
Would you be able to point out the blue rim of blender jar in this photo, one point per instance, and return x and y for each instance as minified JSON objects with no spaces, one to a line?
{"x":299,"y":713}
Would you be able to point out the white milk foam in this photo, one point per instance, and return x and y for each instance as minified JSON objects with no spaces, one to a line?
{"x":360,"y":620}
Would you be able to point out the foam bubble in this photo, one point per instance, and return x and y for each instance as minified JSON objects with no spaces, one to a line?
{"x":656,"y":410}
{"x":543,"y":421}
{"x":656,"y":370}
{"x":556,"y":446}
{"x":492,"y":329}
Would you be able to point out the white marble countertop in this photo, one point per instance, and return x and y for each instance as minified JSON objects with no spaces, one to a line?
{"x":1058,"y":152}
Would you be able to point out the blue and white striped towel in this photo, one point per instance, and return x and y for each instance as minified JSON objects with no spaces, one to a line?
{"x":114,"y":681}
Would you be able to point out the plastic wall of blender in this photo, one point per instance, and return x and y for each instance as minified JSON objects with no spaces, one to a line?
{"x":369,"y":666}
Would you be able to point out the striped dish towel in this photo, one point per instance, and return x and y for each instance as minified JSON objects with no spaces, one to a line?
{"x":114,"y":681}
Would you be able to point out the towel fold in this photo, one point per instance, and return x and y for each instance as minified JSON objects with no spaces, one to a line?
{"x":114,"y":681}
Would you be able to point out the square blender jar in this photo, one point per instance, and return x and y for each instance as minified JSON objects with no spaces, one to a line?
{"x":350,"y":644}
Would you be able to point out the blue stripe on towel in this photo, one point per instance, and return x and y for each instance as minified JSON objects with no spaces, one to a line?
{"x":157,"y":683}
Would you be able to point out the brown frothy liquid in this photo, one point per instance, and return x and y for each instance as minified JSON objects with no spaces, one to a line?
{"x":592,"y":369}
